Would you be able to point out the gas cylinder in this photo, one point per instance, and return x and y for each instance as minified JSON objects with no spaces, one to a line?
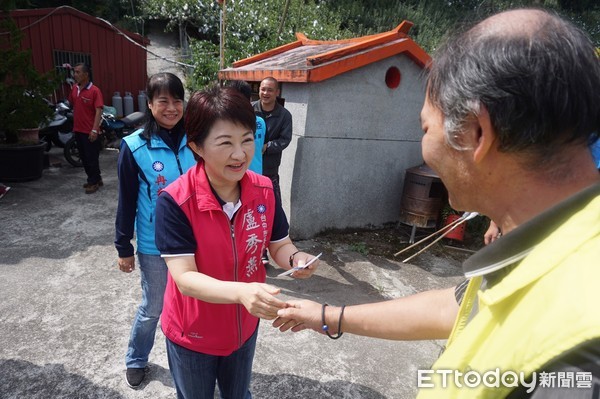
{"x":142,"y":101}
{"x":128,"y":103}
{"x":117,"y":102}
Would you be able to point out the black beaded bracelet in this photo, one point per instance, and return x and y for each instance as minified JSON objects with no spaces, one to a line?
{"x":325,"y":327}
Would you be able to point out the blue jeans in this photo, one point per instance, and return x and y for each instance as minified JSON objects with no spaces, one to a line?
{"x":153,"y":271}
{"x":195,"y":373}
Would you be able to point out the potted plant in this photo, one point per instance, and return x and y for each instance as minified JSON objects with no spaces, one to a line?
{"x":22,"y":106}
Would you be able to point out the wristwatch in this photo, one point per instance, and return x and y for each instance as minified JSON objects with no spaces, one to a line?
{"x":94,"y":131}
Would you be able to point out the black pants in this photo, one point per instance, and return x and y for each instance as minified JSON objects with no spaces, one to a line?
{"x":90,"y":156}
{"x":276,"y":189}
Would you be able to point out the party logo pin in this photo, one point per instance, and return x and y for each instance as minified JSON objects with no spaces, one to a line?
{"x":158,"y":166}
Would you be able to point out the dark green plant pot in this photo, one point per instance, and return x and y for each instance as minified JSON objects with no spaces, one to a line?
{"x":21,"y":163}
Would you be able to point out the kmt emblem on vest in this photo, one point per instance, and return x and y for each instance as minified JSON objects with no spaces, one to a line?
{"x":158,"y":166}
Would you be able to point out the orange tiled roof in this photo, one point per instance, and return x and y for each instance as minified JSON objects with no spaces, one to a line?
{"x":308,"y":60}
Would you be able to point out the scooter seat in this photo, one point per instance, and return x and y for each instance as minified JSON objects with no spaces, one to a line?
{"x":134,"y":118}
{"x":115,"y":124}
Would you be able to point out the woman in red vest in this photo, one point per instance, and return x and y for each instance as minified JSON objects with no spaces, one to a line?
{"x":212,"y":225}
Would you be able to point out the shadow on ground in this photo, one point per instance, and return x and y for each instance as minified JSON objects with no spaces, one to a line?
{"x":66,"y":310}
{"x":48,"y":381}
{"x":289,"y":386}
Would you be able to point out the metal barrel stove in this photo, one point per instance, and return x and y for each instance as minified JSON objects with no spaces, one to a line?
{"x":423,"y":197}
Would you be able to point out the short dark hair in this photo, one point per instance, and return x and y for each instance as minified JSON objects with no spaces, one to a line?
{"x":242,"y":86}
{"x":84,"y":67}
{"x":541,"y":86}
{"x":271,"y":79}
{"x":162,"y":82}
{"x":206,"y":107}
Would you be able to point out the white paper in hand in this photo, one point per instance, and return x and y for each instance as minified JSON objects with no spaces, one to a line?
{"x":299,"y":267}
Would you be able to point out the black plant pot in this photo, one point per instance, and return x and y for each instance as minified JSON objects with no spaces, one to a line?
{"x":21,"y":163}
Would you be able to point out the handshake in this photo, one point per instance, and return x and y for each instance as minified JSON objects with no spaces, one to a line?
{"x":305,"y":314}
{"x":260,"y":300}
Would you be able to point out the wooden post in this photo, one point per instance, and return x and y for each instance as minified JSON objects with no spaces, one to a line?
{"x":222,"y":35}
{"x":283,"y":17}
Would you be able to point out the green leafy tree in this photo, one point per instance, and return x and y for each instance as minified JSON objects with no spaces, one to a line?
{"x":251,"y":27}
{"x":254,"y":26}
{"x":119,"y":12}
{"x":433,"y":18}
{"x":202,"y":14}
{"x":22,"y":87}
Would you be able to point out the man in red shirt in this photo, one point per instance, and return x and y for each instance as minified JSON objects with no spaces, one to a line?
{"x":87,"y":109}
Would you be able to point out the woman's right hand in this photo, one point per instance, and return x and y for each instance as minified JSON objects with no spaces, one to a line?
{"x":259,"y":299}
{"x":126,"y":265}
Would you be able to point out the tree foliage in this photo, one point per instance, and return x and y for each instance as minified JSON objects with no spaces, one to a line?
{"x":433,"y":18}
{"x":254,"y":26}
{"x":22,"y":87}
{"x":115,"y":11}
{"x":251,"y":27}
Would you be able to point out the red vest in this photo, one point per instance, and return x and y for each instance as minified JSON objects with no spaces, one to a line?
{"x":229,"y":251}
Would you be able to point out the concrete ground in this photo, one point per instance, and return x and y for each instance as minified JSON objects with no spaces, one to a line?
{"x":163,"y":51}
{"x":66,"y":310}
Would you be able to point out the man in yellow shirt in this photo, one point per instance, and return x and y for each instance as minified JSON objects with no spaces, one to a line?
{"x":512,"y":105}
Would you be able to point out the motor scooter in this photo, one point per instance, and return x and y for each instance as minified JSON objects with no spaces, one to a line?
{"x":112,"y":131}
{"x":57,"y":130}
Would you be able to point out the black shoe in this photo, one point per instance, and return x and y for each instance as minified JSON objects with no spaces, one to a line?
{"x":100,"y":184}
{"x":92,"y":188}
{"x":134,"y":377}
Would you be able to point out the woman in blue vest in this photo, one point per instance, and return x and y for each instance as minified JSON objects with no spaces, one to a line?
{"x":149,"y":160}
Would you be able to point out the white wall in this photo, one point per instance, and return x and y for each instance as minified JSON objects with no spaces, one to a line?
{"x":353,"y":139}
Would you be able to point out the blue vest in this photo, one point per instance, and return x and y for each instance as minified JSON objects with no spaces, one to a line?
{"x":158,"y":166}
{"x":596,"y":152}
{"x":259,"y":141}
